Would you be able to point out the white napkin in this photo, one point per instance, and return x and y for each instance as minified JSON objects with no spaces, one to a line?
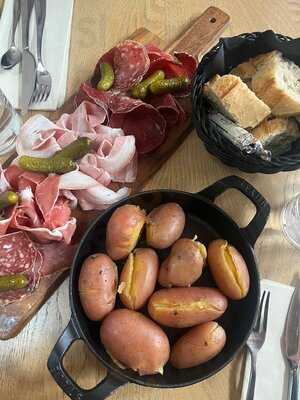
{"x":272,"y":371}
{"x":55,"y":51}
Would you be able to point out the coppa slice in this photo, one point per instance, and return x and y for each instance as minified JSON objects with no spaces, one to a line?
{"x":19,"y":255}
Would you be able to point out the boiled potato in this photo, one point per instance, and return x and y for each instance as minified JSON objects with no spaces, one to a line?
{"x":165,"y":225}
{"x":138,"y":278}
{"x":134,"y":341}
{"x":184,"y":264}
{"x":98,"y":281}
{"x":198,"y":345}
{"x":123,"y":230}
{"x":229,"y":269}
{"x":186,"y":307}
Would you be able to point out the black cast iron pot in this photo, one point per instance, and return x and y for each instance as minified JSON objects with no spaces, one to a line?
{"x":207,"y":221}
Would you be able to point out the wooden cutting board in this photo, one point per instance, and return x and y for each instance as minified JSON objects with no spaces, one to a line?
{"x":199,"y":37}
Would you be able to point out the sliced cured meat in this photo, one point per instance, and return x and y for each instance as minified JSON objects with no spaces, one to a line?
{"x":188,"y":62}
{"x":58,"y":215}
{"x":99,"y":197}
{"x":36,"y":138}
{"x":46,"y":194}
{"x":127,"y":174}
{"x":85,"y":118}
{"x":76,"y":180}
{"x":11,"y":174}
{"x":66,"y":138}
{"x":169,"y":108}
{"x":130,"y":62}
{"x":26,"y":214}
{"x":6,"y":218}
{"x":155,"y":53}
{"x":118,"y":156}
{"x":145,"y":123}
{"x":19,"y":255}
{"x":56,"y":256}
{"x":89,"y":166}
{"x":70,"y":196}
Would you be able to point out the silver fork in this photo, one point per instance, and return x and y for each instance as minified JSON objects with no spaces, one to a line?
{"x":257,"y":339}
{"x":43,"y":77}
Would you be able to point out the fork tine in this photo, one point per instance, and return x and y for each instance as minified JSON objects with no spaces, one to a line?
{"x":34,"y":94}
{"x":266,"y":312}
{"x":45,"y":93}
{"x":41,"y":93}
{"x":257,"y":324}
{"x":48,"y":92}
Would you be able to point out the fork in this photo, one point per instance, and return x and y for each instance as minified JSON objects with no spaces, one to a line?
{"x":257,"y":339}
{"x":43,"y":77}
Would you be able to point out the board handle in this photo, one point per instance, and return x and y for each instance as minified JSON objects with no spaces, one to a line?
{"x":256,"y":225}
{"x":63,"y":379}
{"x":203,"y":32}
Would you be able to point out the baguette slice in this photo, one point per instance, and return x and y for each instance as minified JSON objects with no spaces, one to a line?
{"x":232,"y":97}
{"x":277,"y":133}
{"x":277,"y":83}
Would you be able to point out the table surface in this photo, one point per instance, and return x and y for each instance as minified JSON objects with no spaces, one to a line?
{"x":98,"y":25}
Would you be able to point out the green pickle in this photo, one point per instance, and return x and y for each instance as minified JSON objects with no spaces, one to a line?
{"x":169,"y":85}
{"x":56,"y":165}
{"x":107,"y":77}
{"x":7,"y":199}
{"x":140,"y":90}
{"x":75,"y":150}
{"x":13,"y":282}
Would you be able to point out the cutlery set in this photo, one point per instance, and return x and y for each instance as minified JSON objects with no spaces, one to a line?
{"x":291,"y":343}
{"x":36,"y":80}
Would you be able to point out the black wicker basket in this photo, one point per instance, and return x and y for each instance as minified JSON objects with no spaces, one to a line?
{"x":252,"y":44}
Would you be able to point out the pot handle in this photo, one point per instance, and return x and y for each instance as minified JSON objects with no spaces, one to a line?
{"x":63,"y":379}
{"x":255,"y":227}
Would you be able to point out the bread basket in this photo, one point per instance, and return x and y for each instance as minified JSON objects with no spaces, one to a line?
{"x":228,"y":53}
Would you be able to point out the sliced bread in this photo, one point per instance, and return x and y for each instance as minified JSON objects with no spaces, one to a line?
{"x":232,"y":97}
{"x":277,"y":83}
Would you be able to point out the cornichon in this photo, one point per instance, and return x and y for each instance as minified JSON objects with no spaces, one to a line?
{"x":56,"y":165}
{"x":75,"y":150}
{"x":169,"y":85}
{"x":140,"y":90}
{"x":13,"y":282}
{"x":7,"y":199}
{"x":107,"y":77}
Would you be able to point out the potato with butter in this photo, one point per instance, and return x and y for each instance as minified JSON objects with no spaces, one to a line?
{"x":186,"y":307}
{"x":97,"y":285}
{"x":164,"y":225}
{"x":134,"y":341}
{"x":184,"y":264}
{"x":229,"y":269}
{"x":138,"y":278}
{"x":123,"y":230}
{"x":199,"y":345}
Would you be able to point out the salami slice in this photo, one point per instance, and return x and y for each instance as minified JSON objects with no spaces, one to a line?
{"x":130,"y":62}
{"x":169,"y":108}
{"x":19,"y":255}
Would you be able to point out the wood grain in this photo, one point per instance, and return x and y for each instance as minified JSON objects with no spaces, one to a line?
{"x":96,"y":27}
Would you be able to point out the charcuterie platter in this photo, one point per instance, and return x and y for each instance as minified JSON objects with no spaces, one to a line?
{"x":134,"y":112}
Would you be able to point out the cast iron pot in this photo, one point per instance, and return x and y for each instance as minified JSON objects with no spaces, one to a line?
{"x":208,"y":222}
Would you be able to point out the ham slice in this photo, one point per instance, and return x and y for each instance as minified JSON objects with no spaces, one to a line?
{"x":76,"y":180}
{"x":100,"y":197}
{"x":89,"y":166}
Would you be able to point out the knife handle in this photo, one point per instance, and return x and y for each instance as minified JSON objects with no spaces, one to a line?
{"x":26,"y":10}
{"x":40,"y":14}
{"x":293,"y":384}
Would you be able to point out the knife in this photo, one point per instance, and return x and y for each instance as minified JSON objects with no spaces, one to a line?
{"x":292,"y":344}
{"x":28,"y":60}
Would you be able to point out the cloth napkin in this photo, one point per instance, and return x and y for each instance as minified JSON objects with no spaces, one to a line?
{"x":272,"y":370}
{"x":55,"y":51}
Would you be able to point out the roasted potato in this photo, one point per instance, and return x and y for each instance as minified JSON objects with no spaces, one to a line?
{"x":229,"y":269}
{"x":198,"y":345}
{"x":186,"y":307}
{"x":98,"y":281}
{"x":123,"y":230}
{"x":164,"y":225}
{"x":184,"y":264}
{"x":138,"y":278}
{"x":134,"y":341}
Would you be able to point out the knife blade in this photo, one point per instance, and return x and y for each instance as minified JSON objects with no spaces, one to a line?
{"x":292,"y":343}
{"x":28,"y":60}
